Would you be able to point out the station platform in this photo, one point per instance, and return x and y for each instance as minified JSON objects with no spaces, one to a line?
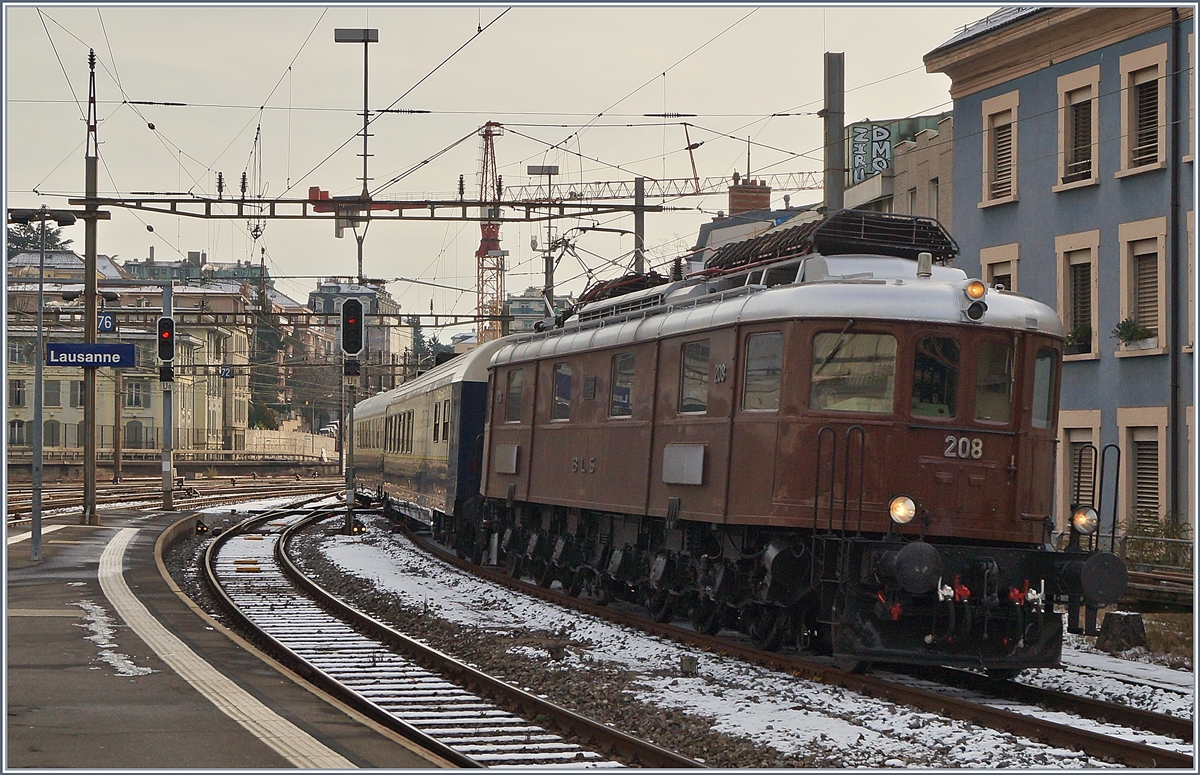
{"x":109,"y":666}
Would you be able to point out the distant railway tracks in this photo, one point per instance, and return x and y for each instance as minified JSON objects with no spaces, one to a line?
{"x":66,"y":499}
{"x":933,"y":690}
{"x":459,"y":713}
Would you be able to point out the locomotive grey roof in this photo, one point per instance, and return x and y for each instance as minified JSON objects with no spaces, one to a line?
{"x":469,"y":367}
{"x":859,"y":287}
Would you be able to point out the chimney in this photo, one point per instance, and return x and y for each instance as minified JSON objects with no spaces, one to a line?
{"x":194,"y":257}
{"x":151,"y":259}
{"x":204,"y":257}
{"x":746,"y":195}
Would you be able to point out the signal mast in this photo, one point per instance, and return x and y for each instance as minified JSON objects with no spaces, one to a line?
{"x":489,"y":256}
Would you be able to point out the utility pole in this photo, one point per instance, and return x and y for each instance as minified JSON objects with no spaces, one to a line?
{"x":639,"y":225}
{"x":91,"y":160}
{"x":118,"y":389}
{"x":549,"y":171}
{"x":168,"y":464}
{"x":834,"y":115}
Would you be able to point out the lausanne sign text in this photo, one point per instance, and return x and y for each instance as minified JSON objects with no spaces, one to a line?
{"x":89,"y":356}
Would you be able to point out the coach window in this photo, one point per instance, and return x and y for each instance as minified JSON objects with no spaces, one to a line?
{"x":446,"y":420}
{"x":853,"y":372}
{"x":512,"y":406}
{"x":562,"y":391}
{"x":437,"y":412}
{"x":693,"y":388}
{"x":935,"y":377}
{"x":1043,"y":388}
{"x":993,"y":381}
{"x":764,"y":365}
{"x":621,"y":400}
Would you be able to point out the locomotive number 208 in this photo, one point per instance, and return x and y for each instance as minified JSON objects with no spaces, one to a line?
{"x":961,"y":446}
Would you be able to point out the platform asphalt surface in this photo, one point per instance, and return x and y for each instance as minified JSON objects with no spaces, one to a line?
{"x":106,"y":666}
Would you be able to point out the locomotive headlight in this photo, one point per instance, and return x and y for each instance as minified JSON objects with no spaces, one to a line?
{"x":975,"y":290}
{"x":1085,"y":520}
{"x":902,"y":509}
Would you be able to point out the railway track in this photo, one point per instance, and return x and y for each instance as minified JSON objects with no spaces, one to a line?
{"x":457,"y":712}
{"x":64,"y":500}
{"x":937,"y":699}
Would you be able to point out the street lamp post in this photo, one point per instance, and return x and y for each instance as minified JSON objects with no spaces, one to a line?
{"x":62,"y":218}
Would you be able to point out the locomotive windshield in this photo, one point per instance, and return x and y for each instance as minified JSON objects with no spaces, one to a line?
{"x":993,"y":381}
{"x":853,"y":372}
{"x":1043,"y":388}
{"x":935,"y":377}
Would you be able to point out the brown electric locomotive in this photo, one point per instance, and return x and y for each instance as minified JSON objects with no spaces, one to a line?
{"x":828,"y":437}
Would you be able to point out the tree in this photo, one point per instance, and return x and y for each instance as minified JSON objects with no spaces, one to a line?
{"x":27,"y":238}
{"x":261,"y":416}
{"x":419,"y":348}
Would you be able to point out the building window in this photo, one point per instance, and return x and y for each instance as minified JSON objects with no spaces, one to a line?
{"x":693,"y":378}
{"x":16,"y":392}
{"x":136,"y":395}
{"x":1143,"y":110}
{"x":16,"y":352}
{"x":1081,"y":467}
{"x":1143,"y":445}
{"x":912,"y":201}
{"x":999,"y":265}
{"x":1142,"y":266}
{"x":51,"y":433}
{"x":935,"y":199}
{"x":853,"y":372}
{"x":1000,"y":149}
{"x":1078,"y":128}
{"x":1078,"y":289}
{"x":76,"y":392}
{"x":562,"y":391}
{"x":52,"y":392}
{"x":621,"y":393}
{"x":935,"y":377}
{"x":16,"y":434}
{"x":764,"y":369}
{"x":512,"y":406}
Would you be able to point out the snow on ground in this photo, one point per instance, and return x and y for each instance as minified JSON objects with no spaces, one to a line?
{"x":790,"y":714}
{"x":231,"y":509}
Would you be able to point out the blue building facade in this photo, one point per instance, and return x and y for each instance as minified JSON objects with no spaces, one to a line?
{"x":1074,"y":184}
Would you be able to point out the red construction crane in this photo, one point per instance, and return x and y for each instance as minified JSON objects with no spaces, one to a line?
{"x":490,"y":258}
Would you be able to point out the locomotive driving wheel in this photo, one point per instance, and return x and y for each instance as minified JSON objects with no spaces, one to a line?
{"x":661,"y":605}
{"x":708,"y":615}
{"x":768,"y":627}
{"x":514,"y":565}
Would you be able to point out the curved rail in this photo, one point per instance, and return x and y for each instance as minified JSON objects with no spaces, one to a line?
{"x":1133,"y":754}
{"x":368,"y":672}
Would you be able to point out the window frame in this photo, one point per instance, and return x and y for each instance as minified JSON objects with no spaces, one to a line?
{"x":1000,"y":254}
{"x":683,"y":375}
{"x":1134,"y":67}
{"x":613,"y":383}
{"x":1127,"y":235}
{"x":1066,"y":249}
{"x":778,"y":379}
{"x":1131,"y":423}
{"x":16,"y":393}
{"x":556,"y":404}
{"x":137,"y":394}
{"x":52,"y":397}
{"x":994,"y":113}
{"x":1072,"y":84}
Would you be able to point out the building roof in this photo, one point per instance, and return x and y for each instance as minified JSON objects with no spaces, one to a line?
{"x":987,"y":24}
{"x":67,"y":261}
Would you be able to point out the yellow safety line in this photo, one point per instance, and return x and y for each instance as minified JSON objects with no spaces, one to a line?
{"x":288,"y":740}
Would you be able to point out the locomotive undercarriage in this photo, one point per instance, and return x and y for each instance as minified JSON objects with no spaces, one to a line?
{"x":860,"y":598}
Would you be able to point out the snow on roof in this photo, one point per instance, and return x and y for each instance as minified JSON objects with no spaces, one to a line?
{"x":989,"y":23}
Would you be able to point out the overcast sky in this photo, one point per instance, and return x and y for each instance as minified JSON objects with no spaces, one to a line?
{"x":547,"y":73}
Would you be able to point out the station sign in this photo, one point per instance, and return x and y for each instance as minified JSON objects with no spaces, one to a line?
{"x":90,"y":356}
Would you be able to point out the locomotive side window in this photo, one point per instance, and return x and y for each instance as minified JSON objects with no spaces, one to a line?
{"x":693,"y":389}
{"x":1043,"y":388}
{"x":993,"y":381}
{"x":853,"y":372}
{"x":516,"y":384}
{"x":562,"y":391}
{"x":935,"y":377}
{"x":621,"y":401}
{"x":764,"y":365}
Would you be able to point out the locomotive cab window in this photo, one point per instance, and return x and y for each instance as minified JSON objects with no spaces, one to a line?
{"x":764,"y":366}
{"x":562,"y":391}
{"x":513,"y":396}
{"x":935,"y":377}
{"x":853,"y":372}
{"x":621,"y":400}
{"x":693,"y":378}
{"x":993,"y":381}
{"x":1043,"y":388}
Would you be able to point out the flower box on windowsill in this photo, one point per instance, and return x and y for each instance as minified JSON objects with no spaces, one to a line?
{"x":1076,"y":349}
{"x":1149,"y":343}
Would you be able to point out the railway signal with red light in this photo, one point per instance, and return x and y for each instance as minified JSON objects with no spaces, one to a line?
{"x":352,"y":327}
{"x":166,"y":339}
